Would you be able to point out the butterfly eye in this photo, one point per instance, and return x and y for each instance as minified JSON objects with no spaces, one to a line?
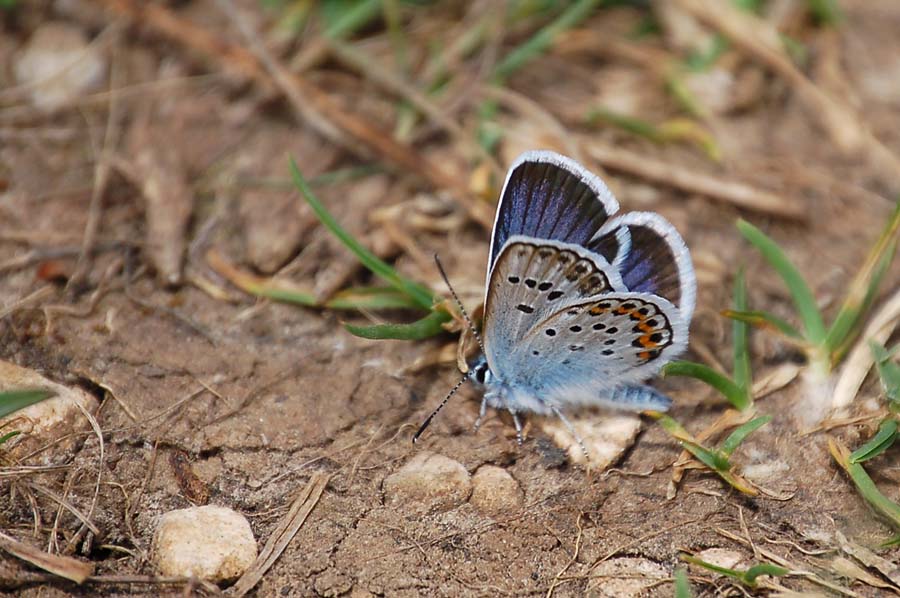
{"x":481,"y":373}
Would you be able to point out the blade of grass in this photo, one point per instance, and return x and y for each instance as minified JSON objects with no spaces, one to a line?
{"x":13,"y":400}
{"x":882,"y":441}
{"x":747,"y":577}
{"x":371,"y":298}
{"x":765,"y":320}
{"x":865,"y":284}
{"x":419,"y":293}
{"x":864,"y":484}
{"x":9,"y":436}
{"x":709,"y":458}
{"x":350,"y":19}
{"x":804,"y":301}
{"x":731,"y":391}
{"x":430,"y":325}
{"x":540,"y":41}
{"x":740,"y":338}
{"x":889,"y":372}
{"x":740,"y":434}
{"x":682,"y":585}
{"x":826,"y":12}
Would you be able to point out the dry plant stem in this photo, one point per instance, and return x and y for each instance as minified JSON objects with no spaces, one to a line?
{"x":391,"y":83}
{"x":860,"y":361}
{"x":656,"y":171}
{"x":759,"y":39}
{"x":102,"y":171}
{"x":59,"y":566}
{"x":301,"y":507}
{"x":34,"y":297}
{"x":348,"y":130}
{"x":534,"y":111}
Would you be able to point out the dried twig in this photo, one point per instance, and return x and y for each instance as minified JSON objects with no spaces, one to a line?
{"x":283,"y":534}
{"x":760,"y":39}
{"x":733,"y":192}
{"x":312,"y":104}
{"x":61,"y":566}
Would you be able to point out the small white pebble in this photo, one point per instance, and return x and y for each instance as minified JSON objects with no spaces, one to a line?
{"x":210,"y":542}
{"x":429,"y":480}
{"x":494,"y":491}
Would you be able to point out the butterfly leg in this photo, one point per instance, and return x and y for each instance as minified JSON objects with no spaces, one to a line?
{"x":572,"y":431}
{"x":481,"y":413}
{"x":518,"y":424}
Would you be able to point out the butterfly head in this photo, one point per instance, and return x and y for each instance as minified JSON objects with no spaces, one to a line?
{"x":481,"y":372}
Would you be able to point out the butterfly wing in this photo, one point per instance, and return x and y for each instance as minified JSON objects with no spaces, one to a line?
{"x":578,"y":345}
{"x":531,"y":280}
{"x":655,"y":261}
{"x":549,"y":196}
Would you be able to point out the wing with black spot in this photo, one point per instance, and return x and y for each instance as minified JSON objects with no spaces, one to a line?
{"x":531,"y":281}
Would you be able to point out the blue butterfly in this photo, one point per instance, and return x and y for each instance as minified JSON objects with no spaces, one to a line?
{"x":581,"y":304}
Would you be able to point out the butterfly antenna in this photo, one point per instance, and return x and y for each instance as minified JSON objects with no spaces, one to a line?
{"x":452,"y":392}
{"x":459,"y":304}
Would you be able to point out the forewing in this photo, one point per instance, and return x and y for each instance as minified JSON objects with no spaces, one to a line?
{"x":532,"y":280}
{"x":549,"y":196}
{"x":655,"y":261}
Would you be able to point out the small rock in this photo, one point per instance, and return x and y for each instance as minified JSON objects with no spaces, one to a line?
{"x":433,"y":481}
{"x":625,"y":577}
{"x":722,"y":557}
{"x":212,"y":543}
{"x":605,"y":436}
{"x":59,"y":65}
{"x":494,"y":491}
{"x":43,"y":423}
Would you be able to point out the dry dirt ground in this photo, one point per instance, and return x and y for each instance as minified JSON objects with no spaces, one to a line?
{"x":211,"y":396}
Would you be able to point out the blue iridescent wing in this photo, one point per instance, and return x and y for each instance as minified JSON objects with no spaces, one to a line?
{"x":655,"y":261}
{"x":549,"y":196}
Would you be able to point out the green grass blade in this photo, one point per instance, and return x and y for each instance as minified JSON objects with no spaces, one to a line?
{"x":13,"y":400}
{"x":540,"y":41}
{"x":682,"y":585}
{"x":740,"y":332}
{"x":889,"y":372}
{"x":864,"y":484}
{"x":735,"y":439}
{"x":371,"y":298}
{"x":420,"y":294}
{"x":804,"y":301}
{"x":430,"y":325}
{"x":8,"y":436}
{"x":826,"y":12}
{"x":882,"y":441}
{"x":895,"y":541}
{"x":763,"y":569}
{"x":865,"y":284}
{"x":731,"y":391}
{"x":765,"y":320}
{"x":732,"y":573}
{"x":709,"y":458}
{"x":348,"y":20}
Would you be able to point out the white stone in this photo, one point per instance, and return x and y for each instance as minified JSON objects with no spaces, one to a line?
{"x":58,"y":65}
{"x":210,"y":542}
{"x":625,"y":577}
{"x":47,"y":421}
{"x":430,"y":480}
{"x":494,"y":491}
{"x":605,"y":436}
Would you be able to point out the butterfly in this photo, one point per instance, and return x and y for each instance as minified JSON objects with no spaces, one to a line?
{"x":581,"y":304}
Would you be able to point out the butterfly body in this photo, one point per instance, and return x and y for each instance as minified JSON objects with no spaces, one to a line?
{"x":581,"y":304}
